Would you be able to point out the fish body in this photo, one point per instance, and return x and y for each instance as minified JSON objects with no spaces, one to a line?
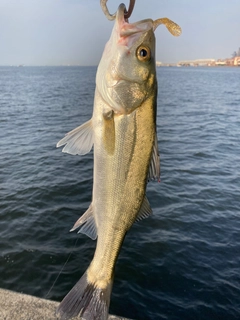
{"x":123,"y":131}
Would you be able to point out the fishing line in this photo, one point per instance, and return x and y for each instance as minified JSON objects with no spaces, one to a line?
{"x":69,"y":256}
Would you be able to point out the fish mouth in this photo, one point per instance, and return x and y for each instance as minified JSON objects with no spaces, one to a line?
{"x":129,"y":32}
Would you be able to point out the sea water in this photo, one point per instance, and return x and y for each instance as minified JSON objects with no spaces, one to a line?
{"x":181,"y":263}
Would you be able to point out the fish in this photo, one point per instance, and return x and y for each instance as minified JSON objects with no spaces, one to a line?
{"x":126,"y":156}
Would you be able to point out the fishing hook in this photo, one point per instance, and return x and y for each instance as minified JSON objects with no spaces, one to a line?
{"x":127,"y":13}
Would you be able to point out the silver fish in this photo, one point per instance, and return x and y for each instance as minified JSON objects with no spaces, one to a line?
{"x":123,"y":131}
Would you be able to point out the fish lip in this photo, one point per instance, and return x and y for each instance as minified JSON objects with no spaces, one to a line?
{"x":126,"y":29}
{"x":129,"y":29}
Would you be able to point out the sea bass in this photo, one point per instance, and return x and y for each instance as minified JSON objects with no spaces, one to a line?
{"x":123,"y":131}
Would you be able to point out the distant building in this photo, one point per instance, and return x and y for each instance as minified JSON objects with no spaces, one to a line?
{"x":197,"y":62}
{"x":230,"y":62}
{"x":236,"y":61}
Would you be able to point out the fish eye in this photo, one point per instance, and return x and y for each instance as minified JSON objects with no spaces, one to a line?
{"x":143,"y":53}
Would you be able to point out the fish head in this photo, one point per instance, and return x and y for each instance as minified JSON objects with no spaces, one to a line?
{"x":126,"y":74}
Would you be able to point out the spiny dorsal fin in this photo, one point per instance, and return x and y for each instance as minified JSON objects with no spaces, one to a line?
{"x":172,"y":27}
{"x":154,"y":168}
{"x":79,"y":140}
{"x":145,"y":210}
{"x":87,"y":224}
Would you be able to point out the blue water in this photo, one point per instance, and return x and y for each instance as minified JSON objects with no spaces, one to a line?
{"x":181,"y":263}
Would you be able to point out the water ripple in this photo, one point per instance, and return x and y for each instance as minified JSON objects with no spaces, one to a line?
{"x":182,"y":262}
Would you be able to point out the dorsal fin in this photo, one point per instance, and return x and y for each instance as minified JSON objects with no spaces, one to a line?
{"x":154,"y":167}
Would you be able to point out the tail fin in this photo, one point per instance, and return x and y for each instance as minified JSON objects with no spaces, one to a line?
{"x":85,"y":300}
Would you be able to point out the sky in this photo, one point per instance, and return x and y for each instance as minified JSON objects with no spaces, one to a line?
{"x":74,"y":32}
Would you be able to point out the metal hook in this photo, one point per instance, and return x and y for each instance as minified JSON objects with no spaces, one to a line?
{"x":127,"y":13}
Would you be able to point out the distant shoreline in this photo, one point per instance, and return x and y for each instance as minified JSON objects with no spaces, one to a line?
{"x":195,"y":66}
{"x":95,"y":66}
{"x":45,"y":66}
{"x":230,"y":62}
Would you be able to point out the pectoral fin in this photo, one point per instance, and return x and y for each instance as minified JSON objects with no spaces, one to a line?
{"x":154,"y":168}
{"x":79,"y":140}
{"x":145,"y":210}
{"x":87,"y":224}
{"x":109,"y":132}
